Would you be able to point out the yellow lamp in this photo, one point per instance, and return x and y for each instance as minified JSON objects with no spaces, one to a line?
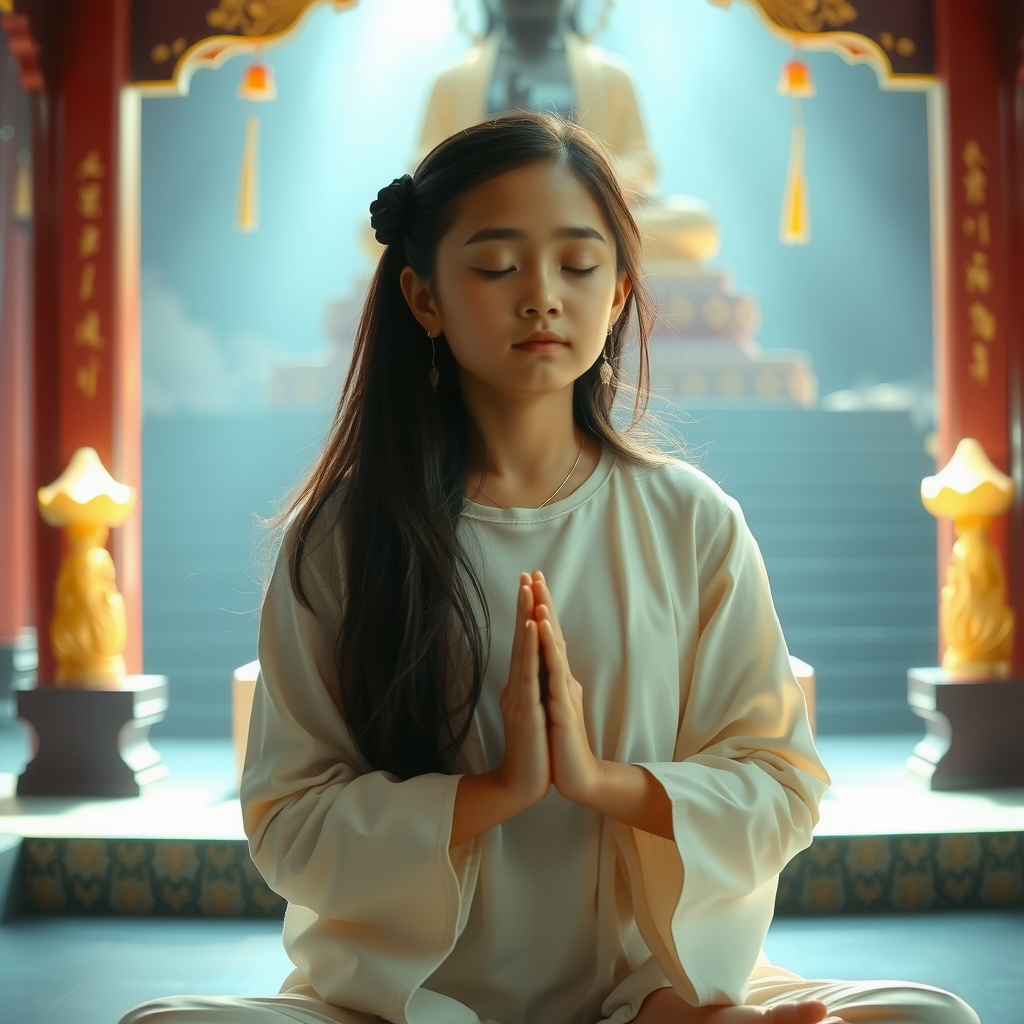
{"x":88,"y":629}
{"x":977,"y":625}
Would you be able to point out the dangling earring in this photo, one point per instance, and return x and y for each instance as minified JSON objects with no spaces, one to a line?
{"x":605,"y":371}
{"x":434,"y":375}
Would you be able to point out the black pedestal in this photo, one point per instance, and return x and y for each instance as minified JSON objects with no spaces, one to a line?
{"x":93,"y":742}
{"x":975,"y":734}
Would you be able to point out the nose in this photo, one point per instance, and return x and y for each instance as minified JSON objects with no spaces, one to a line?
{"x":540,"y":298}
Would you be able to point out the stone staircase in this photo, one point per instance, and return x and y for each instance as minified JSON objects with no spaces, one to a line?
{"x":833,"y":500}
{"x":831,"y":497}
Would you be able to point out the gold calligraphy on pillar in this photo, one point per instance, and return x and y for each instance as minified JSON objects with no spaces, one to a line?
{"x":87,"y":332}
{"x":977,"y":272}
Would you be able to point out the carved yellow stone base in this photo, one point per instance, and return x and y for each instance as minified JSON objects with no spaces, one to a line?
{"x":88,"y":628}
{"x":976,"y":623}
{"x":977,"y":626}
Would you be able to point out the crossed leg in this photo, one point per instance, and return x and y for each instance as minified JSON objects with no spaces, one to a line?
{"x":780,"y":998}
{"x":784,"y":998}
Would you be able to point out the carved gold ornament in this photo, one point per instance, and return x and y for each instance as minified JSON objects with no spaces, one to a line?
{"x":255,"y":17}
{"x":88,"y":629}
{"x":977,"y":625}
{"x":805,"y":15}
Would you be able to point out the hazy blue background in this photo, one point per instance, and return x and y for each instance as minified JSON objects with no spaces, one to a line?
{"x":218,"y":306}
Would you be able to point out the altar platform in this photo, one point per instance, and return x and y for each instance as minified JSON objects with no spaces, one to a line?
{"x":884,"y":843}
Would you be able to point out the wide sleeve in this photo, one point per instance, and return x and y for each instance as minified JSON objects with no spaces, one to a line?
{"x":745,"y":782}
{"x":366,"y":853}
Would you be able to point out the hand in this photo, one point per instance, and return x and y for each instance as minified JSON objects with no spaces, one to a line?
{"x":575,"y":770}
{"x":524,"y":775}
{"x":525,"y":769}
{"x":625,"y":792}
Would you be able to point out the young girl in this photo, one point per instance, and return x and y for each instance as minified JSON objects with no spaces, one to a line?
{"x":527,"y":748}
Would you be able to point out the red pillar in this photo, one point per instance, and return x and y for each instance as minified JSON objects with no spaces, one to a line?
{"x":973,"y":283}
{"x":16,"y":505}
{"x":1011,"y":34}
{"x":86,"y":344}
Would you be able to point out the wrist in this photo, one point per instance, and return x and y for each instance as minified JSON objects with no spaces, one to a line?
{"x":511,"y":795}
{"x":481,"y":802}
{"x":588,"y":785}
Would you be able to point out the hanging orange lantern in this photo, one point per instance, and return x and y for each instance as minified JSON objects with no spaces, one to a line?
{"x":795,"y":224}
{"x":257,"y":83}
{"x":795,"y":80}
{"x":257,"y":86}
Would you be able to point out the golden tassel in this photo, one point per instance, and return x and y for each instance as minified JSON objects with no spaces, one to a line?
{"x":23,"y":188}
{"x":247,"y":217}
{"x":795,"y":226}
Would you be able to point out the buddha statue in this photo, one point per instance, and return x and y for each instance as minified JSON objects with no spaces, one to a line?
{"x":532,"y":58}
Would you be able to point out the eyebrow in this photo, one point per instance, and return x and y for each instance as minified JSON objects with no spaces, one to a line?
{"x":517,"y":234}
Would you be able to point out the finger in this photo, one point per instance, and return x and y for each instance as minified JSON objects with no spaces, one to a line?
{"x":524,"y":613}
{"x":542,"y":595}
{"x":558,"y":683}
{"x":530,"y":674}
{"x":530,"y":601}
{"x":543,"y":616}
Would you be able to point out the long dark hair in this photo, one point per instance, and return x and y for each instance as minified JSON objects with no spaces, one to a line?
{"x":397,"y":458}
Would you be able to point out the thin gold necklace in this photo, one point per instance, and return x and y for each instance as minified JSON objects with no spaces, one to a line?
{"x":547,"y":500}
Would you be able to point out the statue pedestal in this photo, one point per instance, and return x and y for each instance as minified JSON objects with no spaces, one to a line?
{"x":975,"y":730}
{"x":93,"y":742}
{"x":704,"y":346}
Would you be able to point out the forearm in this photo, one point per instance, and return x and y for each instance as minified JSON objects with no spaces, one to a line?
{"x":632,"y":795}
{"x":481,"y":802}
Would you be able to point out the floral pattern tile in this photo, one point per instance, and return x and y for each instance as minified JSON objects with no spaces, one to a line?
{"x":848,"y":875}
{"x":893,"y":874}
{"x":144,"y":878}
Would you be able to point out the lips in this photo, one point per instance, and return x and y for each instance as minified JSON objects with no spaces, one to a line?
{"x":541,"y":341}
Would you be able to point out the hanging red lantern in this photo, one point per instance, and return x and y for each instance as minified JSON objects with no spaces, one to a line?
{"x":795,"y":224}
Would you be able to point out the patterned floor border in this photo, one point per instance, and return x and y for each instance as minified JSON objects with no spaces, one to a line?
{"x":900,"y":874}
{"x":842,"y":875}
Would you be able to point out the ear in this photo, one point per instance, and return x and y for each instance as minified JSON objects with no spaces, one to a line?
{"x":421,"y":302}
{"x":622,"y":289}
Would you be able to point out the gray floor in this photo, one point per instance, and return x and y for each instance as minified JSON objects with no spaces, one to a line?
{"x":90,"y":971}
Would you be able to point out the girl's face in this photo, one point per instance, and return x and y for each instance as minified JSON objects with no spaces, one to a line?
{"x":525,"y":284}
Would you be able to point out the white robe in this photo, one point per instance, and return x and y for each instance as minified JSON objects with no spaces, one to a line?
{"x":558,"y":916}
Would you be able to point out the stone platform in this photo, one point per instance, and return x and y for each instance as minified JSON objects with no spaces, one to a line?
{"x":885,"y":843}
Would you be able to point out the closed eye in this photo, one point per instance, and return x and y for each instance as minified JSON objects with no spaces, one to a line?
{"x":580,"y":271}
{"x":491,"y":274}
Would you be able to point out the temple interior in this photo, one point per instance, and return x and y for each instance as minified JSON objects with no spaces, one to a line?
{"x":832,"y":197}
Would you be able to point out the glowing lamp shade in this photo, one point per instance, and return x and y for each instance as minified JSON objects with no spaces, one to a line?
{"x":258,"y":83}
{"x":796,"y":80}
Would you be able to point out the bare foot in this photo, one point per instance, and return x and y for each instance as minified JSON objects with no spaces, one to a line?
{"x":665,"y":1007}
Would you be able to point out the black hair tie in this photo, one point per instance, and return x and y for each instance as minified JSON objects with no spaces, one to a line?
{"x":391,"y":210}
